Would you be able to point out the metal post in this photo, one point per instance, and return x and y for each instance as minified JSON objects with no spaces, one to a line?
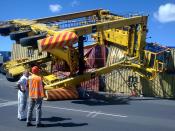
{"x":81,"y":55}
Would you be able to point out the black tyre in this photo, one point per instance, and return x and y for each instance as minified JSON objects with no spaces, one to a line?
{"x":2,"y":70}
{"x":6,"y":29}
{"x":18,"y":35}
{"x":12,"y":78}
{"x":0,"y":67}
{"x":32,"y":40}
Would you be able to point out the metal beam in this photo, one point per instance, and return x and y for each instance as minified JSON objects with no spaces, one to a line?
{"x":68,"y":16}
{"x":81,"y":55}
{"x":84,"y":77}
{"x":73,"y":81}
{"x":92,"y":28}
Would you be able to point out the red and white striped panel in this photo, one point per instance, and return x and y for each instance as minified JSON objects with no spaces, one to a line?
{"x":60,"y":40}
{"x":62,"y":94}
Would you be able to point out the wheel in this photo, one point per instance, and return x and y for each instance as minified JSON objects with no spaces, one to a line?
{"x":0,"y":67}
{"x":12,"y":78}
{"x":18,"y":35}
{"x":2,"y":70}
{"x":6,"y":29}
{"x":31,"y":41}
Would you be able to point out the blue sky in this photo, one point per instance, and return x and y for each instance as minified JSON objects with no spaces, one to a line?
{"x":161,"y":23}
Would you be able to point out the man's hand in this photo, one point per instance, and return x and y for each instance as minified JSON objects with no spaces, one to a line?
{"x":22,"y":89}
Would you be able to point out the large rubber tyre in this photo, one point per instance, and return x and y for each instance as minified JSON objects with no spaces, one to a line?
{"x":2,"y":70}
{"x":12,"y":78}
{"x":0,"y":67}
{"x":19,"y":34}
{"x":6,"y":29}
{"x":31,"y":41}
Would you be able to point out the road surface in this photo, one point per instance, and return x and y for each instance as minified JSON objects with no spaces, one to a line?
{"x":78,"y":115}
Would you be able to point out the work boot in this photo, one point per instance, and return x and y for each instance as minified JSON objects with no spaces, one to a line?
{"x":29,"y":124}
{"x":39,"y":125}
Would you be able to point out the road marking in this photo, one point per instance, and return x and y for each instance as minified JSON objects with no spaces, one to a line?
{"x":9,"y":103}
{"x":90,"y":114}
{"x":95,"y":113}
{"x":3,"y":99}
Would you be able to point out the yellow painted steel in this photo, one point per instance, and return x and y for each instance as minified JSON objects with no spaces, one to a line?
{"x":108,"y":30}
{"x":73,"y":81}
{"x":10,"y":64}
{"x":70,"y":16}
{"x":67,"y":54}
{"x":127,"y":34}
{"x":17,"y":70}
{"x":17,"y":67}
{"x":48,"y":79}
{"x":116,"y":36}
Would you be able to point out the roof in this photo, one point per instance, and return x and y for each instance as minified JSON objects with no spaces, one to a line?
{"x":154,"y":47}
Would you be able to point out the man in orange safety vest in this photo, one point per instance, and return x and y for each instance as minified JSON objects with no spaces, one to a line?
{"x":36,"y":94}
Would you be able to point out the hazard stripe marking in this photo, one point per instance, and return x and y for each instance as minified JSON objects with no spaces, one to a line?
{"x":68,"y":42}
{"x":62,"y":94}
{"x":42,"y":42}
{"x":54,"y":41}
{"x":59,"y":40}
{"x":62,"y":40}
{"x":45,"y":43}
{"x":50,"y":41}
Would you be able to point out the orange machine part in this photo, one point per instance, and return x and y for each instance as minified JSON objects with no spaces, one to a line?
{"x":62,"y":39}
{"x":63,"y":93}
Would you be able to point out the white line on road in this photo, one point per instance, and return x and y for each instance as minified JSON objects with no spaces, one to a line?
{"x":9,"y":103}
{"x":90,"y":112}
{"x":3,"y":99}
{"x":95,"y":114}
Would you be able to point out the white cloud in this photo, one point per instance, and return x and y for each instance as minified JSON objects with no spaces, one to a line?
{"x":55,"y":7}
{"x":165,"y":13}
{"x":75,"y":3}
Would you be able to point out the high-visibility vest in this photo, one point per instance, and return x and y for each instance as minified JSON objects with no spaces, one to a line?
{"x":35,"y":87}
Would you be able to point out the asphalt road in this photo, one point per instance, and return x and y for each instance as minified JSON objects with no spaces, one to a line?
{"x":78,"y":115}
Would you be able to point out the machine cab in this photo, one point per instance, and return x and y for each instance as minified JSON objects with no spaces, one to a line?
{"x":157,"y":57}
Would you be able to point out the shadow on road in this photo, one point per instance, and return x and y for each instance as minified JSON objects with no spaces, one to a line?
{"x":94,"y":102}
{"x":55,"y":119}
{"x":67,"y":124}
{"x":58,"y":119}
{"x":70,"y":124}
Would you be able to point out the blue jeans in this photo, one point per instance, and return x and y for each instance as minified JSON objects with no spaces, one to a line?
{"x":32,"y":104}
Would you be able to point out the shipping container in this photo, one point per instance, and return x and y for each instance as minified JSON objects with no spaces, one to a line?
{"x":171,"y":65}
{"x":127,"y":81}
{"x":162,"y":86}
{"x":19,"y":52}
